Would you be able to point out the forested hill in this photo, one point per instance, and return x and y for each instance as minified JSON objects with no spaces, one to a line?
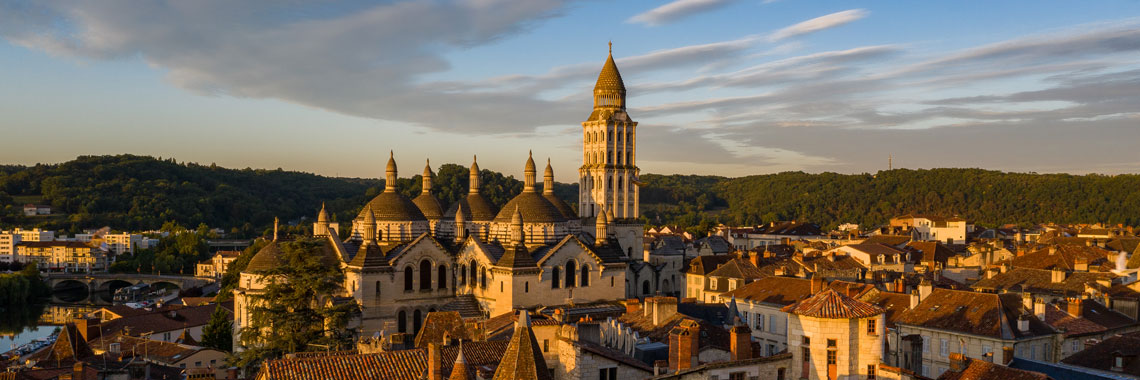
{"x":984,"y":196}
{"x":139,"y":193}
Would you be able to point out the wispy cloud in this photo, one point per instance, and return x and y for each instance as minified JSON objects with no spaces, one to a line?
{"x":676,"y":10}
{"x":818,"y":24}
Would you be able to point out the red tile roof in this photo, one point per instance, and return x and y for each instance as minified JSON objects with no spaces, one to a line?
{"x":831,"y":304}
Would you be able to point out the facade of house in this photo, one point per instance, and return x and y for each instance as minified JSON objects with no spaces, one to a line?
{"x":68,"y":256}
{"x":951,"y":230}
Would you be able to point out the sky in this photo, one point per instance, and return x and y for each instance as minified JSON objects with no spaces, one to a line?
{"x":721,"y":87}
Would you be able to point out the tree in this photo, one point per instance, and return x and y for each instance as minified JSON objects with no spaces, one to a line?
{"x":298,"y":310}
{"x":233,"y":271}
{"x":219,"y":332}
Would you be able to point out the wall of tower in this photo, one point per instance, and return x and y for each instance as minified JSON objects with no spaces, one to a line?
{"x":608,"y":168}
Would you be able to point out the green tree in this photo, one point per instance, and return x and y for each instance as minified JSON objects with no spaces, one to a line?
{"x":233,"y":271}
{"x":219,"y":332}
{"x":298,"y":309}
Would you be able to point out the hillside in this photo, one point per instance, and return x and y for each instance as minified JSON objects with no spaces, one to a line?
{"x":140,"y":193}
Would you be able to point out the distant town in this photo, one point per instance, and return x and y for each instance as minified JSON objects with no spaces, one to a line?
{"x":539,"y":288}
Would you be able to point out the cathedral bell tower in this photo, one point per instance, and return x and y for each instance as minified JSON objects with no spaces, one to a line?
{"x":608,"y":176}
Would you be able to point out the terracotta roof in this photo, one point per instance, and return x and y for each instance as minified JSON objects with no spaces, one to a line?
{"x":393,"y":365}
{"x":523,"y":358}
{"x":737,"y":268}
{"x":438,"y":324}
{"x":893,"y":304}
{"x":466,"y":305}
{"x":165,"y":352}
{"x":712,"y":335}
{"x":983,"y":370}
{"x":1040,"y":281}
{"x":891,"y":240}
{"x":931,"y":251}
{"x":831,"y":304}
{"x":702,"y":265}
{"x":785,"y":291}
{"x":984,"y":314}
{"x":1093,"y":318}
{"x":1102,"y":356}
{"x":1063,"y":257}
{"x":69,"y":346}
{"x":160,"y":321}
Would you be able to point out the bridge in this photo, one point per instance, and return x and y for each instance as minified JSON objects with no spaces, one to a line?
{"x":109,"y":282}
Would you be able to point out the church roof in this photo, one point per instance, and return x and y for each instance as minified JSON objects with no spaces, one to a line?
{"x":393,"y":207}
{"x":429,"y":206}
{"x":516,"y":257}
{"x":565,"y":209}
{"x":268,"y":257}
{"x":610,"y":78}
{"x":523,"y":358}
{"x":831,"y":304}
{"x":369,"y":256}
{"x":476,"y":208}
{"x":534,"y":208}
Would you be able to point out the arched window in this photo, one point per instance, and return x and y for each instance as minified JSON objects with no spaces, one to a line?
{"x":474,"y":276}
{"x":377,"y":288}
{"x":555,"y":277}
{"x":571,"y":273}
{"x":442,"y":277}
{"x":425,"y":275}
{"x":619,"y":183}
{"x":417,"y":321}
{"x":483,"y":278}
{"x":645,"y":287}
{"x":408,"y":278}
{"x":462,"y":274}
{"x":609,"y":182}
{"x":585,"y":276}
{"x":402,"y":321}
{"x":526,"y":287}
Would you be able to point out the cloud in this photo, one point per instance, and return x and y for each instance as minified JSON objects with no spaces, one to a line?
{"x":676,"y":10}
{"x":818,"y":24}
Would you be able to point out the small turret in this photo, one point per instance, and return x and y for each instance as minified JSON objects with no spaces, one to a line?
{"x":369,"y":225}
{"x":601,"y":229}
{"x":529,"y":173}
{"x":460,"y":225}
{"x":473,"y":186}
{"x":610,"y":220}
{"x":517,"y":227}
{"x":548,"y":179}
{"x":390,"y":173}
{"x":427,"y":177}
{"x":321,"y":228}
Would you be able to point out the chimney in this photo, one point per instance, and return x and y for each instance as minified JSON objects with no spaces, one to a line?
{"x":1023,"y":323}
{"x":435,"y":362}
{"x":900,"y":285}
{"x":1039,"y":309}
{"x":1027,"y":301}
{"x":663,"y":309}
{"x":1081,"y":264}
{"x":740,"y":341}
{"x":684,"y":341}
{"x":632,"y":305}
{"x":779,"y":271}
{"x":958,"y":362}
{"x":914,"y":299}
{"x":1006,"y":355}
{"x":78,"y":371}
{"x":1057,"y":275}
{"x":924,"y":289}
{"x":816,"y":285}
{"x":660,"y":367}
{"x":754,"y":257}
{"x":1074,"y":307}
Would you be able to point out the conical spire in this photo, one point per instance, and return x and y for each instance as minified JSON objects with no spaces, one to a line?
{"x":517,"y":227}
{"x":523,"y":357}
{"x":733,"y":311}
{"x":529,"y":173}
{"x":427,"y":177}
{"x":548,"y":179}
{"x":609,"y":215}
{"x":601,"y":229}
{"x":321,"y":228}
{"x":390,"y":173}
{"x":459,"y":370}
{"x":473,"y":186}
{"x":609,"y":91}
{"x":323,"y":216}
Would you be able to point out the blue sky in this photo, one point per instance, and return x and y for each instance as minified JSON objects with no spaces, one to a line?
{"x":719,"y":86}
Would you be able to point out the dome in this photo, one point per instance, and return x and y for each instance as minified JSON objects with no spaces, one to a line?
{"x":429,"y":206}
{"x":565,"y":209}
{"x":534,"y":208}
{"x":268,"y":257}
{"x":476,"y":208}
{"x":393,"y":207}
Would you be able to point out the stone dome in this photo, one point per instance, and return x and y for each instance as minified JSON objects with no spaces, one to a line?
{"x":534,"y":208}
{"x":476,"y":208}
{"x":565,"y":209}
{"x":429,"y":206}
{"x":393,"y":207}
{"x":268,"y":257}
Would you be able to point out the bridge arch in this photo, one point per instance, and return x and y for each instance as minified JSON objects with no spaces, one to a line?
{"x":165,"y":285}
{"x":110,"y":286}
{"x":70,"y":285}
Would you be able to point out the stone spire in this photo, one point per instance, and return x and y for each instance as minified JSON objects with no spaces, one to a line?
{"x":529,"y":173}
{"x":427,"y":177}
{"x":523,"y":357}
{"x":610,"y":217}
{"x":517,"y":227}
{"x":609,"y":91}
{"x":459,"y":370}
{"x":460,"y":224}
{"x":601,"y":229}
{"x":548,"y":179}
{"x":473,"y":186}
{"x":369,"y":225}
{"x":390,"y":178}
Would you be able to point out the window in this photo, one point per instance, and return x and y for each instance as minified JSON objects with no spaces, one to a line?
{"x":987,"y":353}
{"x":500,"y":286}
{"x":944,"y":347}
{"x":759,"y":322}
{"x":1119,"y":362}
{"x":408,"y":279}
{"x":554,"y":278}
{"x":442,"y":277}
{"x":402,"y":321}
{"x":1045,"y":353}
{"x":197,"y":364}
{"x":474,"y":278}
{"x":571,"y":267}
{"x":870,"y":372}
{"x":483,"y":278}
{"x":925,"y":343}
{"x":546,"y":345}
{"x":607,"y":373}
{"x":526,"y":287}
{"x":425,"y":275}
{"x":585,"y":276}
{"x":712,"y":283}
{"x":377,"y":287}
{"x":736,"y":376}
{"x":772,"y":326}
{"x":780,"y":374}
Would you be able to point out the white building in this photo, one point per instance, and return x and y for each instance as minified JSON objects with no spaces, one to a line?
{"x":951,"y":230}
{"x":9,"y":240}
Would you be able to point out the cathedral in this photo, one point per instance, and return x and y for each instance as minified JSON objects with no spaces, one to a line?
{"x":407,"y":257}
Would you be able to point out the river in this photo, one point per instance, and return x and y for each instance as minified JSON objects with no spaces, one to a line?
{"x":20,"y":324}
